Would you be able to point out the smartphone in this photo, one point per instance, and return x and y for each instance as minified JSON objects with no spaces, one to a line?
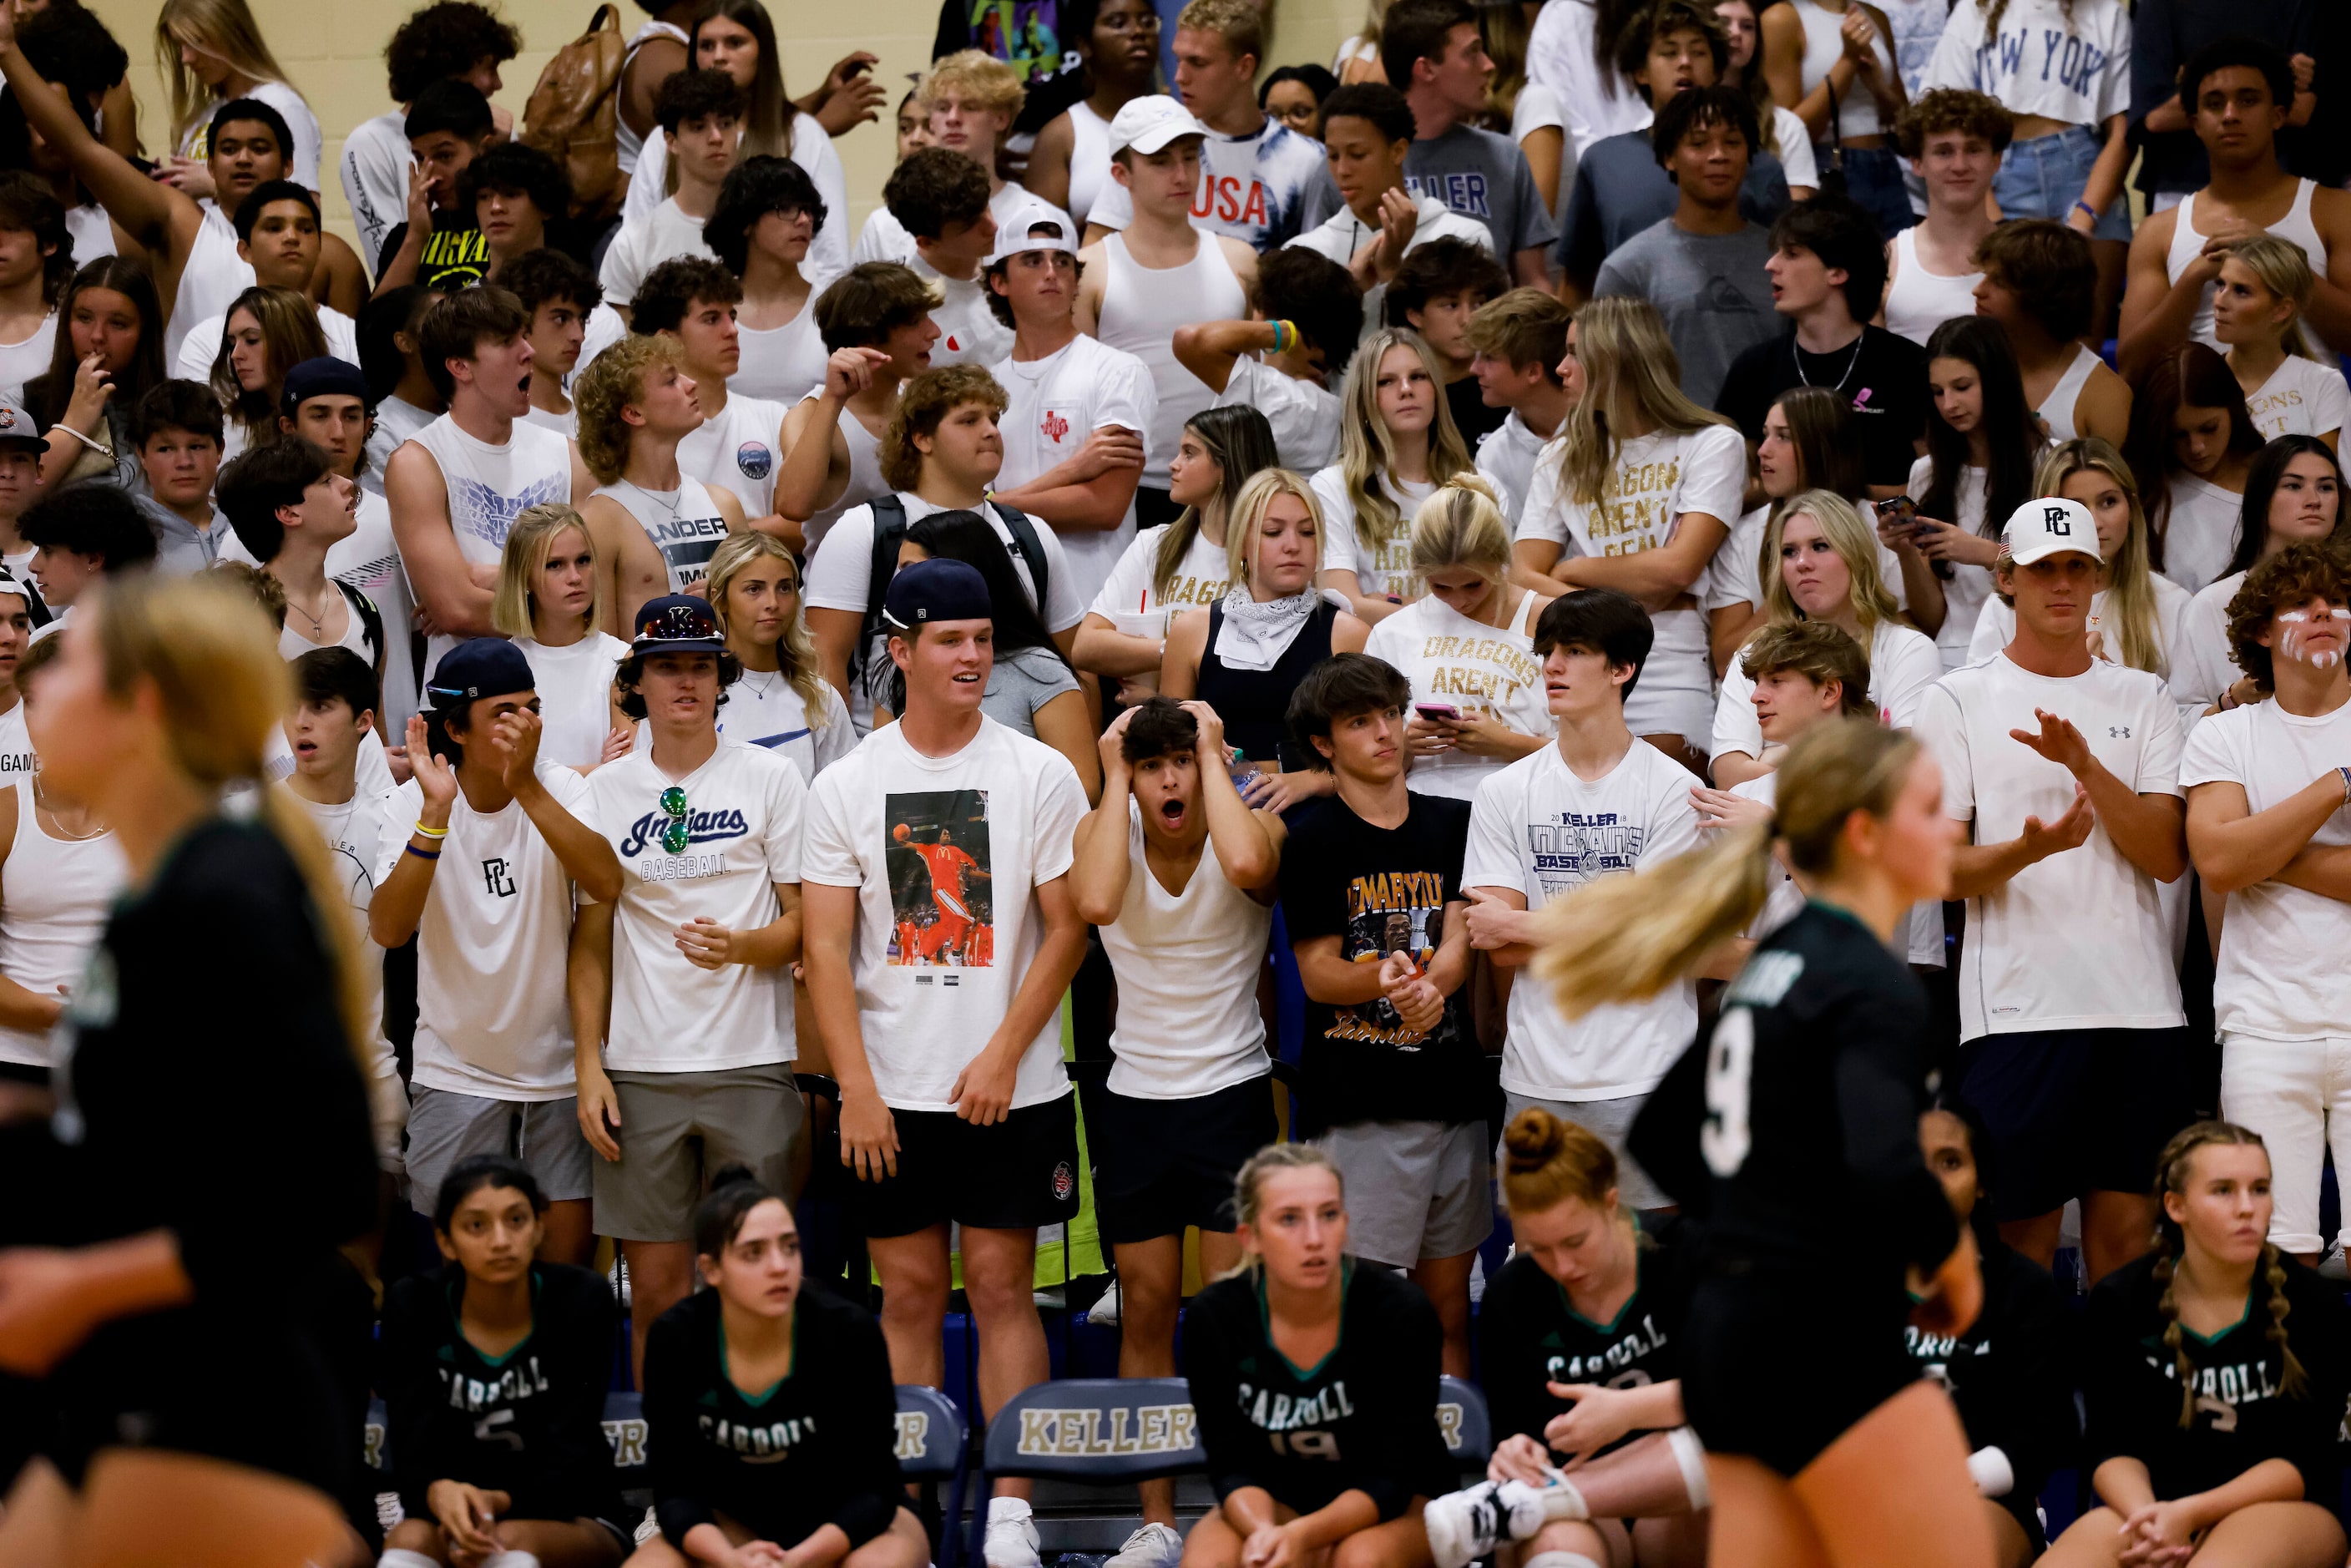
{"x":1899,"y":509}
{"x":1437,"y":713}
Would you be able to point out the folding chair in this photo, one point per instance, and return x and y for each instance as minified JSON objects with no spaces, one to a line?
{"x":1461,"y":1416}
{"x":934,"y":1447}
{"x":1100,"y":1431}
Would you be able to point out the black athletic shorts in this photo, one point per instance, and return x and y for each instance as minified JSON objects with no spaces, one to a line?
{"x":1776,"y":1366}
{"x":1162,"y":1165}
{"x":1020,"y":1173}
{"x":2076,"y":1110}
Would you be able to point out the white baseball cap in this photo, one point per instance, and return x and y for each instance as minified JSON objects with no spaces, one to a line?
{"x":1150,"y":123}
{"x":1018,"y":232}
{"x":2050,"y":525}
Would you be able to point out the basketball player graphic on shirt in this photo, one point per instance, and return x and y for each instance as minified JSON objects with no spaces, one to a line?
{"x":938,"y":879}
{"x":1394,"y":912}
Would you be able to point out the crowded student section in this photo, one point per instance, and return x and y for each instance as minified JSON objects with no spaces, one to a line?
{"x":1615,"y":681}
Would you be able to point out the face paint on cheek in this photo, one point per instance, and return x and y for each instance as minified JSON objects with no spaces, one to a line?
{"x":2295,"y":642}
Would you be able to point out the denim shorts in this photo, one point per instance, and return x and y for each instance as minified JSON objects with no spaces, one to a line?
{"x":2045,"y":177}
{"x":1872,"y":178}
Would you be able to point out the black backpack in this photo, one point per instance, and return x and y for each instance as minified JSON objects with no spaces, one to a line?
{"x":890,"y":532}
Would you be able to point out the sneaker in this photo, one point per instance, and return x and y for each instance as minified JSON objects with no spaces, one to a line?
{"x":1152,"y":1546}
{"x":1011,"y":1539}
{"x":1105,"y":1311}
{"x":1464,"y":1526}
{"x":1526,"y":1509}
{"x":2333,"y":1266}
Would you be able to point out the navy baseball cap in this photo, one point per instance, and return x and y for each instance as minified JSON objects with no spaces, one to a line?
{"x":479,"y":667}
{"x":17,"y":425}
{"x":677,"y":624}
{"x":937,"y":589}
{"x":320,"y":377}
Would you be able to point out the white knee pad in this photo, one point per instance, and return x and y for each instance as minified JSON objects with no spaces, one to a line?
{"x":1690,"y":1455}
{"x":401,"y":1557}
{"x":1990,"y":1469}
{"x":509,"y":1559}
{"x":1559,"y":1560}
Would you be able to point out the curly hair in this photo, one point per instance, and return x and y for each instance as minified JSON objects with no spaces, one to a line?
{"x":1944,"y":109}
{"x":753,"y":188}
{"x":447,"y":39}
{"x":2287,"y":580}
{"x":613,"y":379}
{"x":929,"y":398}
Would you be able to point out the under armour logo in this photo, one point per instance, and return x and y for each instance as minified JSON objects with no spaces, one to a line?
{"x":2058,"y":521}
{"x":2118,"y":732}
{"x":498,"y":876}
{"x":1055,"y":426}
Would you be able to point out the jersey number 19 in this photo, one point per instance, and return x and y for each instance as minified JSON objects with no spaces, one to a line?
{"x":1724,"y":1139}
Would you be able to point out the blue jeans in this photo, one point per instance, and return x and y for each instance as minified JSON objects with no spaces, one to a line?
{"x":1872,"y":178}
{"x":2045,"y":177}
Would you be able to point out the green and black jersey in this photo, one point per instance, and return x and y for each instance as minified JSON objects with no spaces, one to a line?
{"x":1528,"y":1336}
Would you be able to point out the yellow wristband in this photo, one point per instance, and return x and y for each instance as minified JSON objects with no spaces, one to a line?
{"x":422,"y":832}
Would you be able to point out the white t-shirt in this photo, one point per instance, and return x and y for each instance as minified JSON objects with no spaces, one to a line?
{"x":202,"y":346}
{"x":1598,"y":100}
{"x":1339,"y":236}
{"x":1305,"y":417}
{"x":1654,"y":481}
{"x":1259,"y":189}
{"x":2069,"y":62}
{"x":668,"y":232}
{"x":1388,"y":569}
{"x":302,"y":161}
{"x":493,"y":1010}
{"x":667,"y":1015}
{"x":575,"y":696}
{"x":1965,"y":590}
{"x":376,"y":156}
{"x":1996,"y":627}
{"x":969,"y":333}
{"x":762,"y":709}
{"x":27,"y":357}
{"x":2204,"y":661}
{"x":370,"y":562}
{"x":812,"y":149}
{"x":1056,"y":404}
{"x":738,"y":449}
{"x":839,"y":574}
{"x":1510,"y":452}
{"x":1187,"y":964}
{"x":2302,"y":397}
{"x":2201,"y":534}
{"x":353,"y":832}
{"x":934,"y":972}
{"x":1200,"y":580}
{"x":1786,"y":900}
{"x":1538,"y":829}
{"x":885,"y":238}
{"x":2280,"y":974}
{"x":2078,"y":940}
{"x":1478,"y":668}
{"x":1903,"y":664}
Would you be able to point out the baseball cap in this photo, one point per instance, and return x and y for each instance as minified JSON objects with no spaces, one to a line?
{"x":479,"y":668}
{"x":2050,"y":526}
{"x":320,"y":377}
{"x":22,"y":588}
{"x":937,"y":589}
{"x":1016,"y":234}
{"x":1150,"y":123}
{"x":17,"y":425}
{"x":677,"y":624}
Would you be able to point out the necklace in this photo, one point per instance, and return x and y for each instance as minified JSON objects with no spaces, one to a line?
{"x":1854,"y":359}
{"x":763,"y":683}
{"x":677,"y":496}
{"x":317,"y":623}
{"x":41,"y":802}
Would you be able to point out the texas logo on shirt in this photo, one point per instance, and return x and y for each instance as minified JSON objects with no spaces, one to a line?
{"x":1054,"y":427}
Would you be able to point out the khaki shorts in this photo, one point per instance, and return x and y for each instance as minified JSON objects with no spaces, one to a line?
{"x":678,"y":1130}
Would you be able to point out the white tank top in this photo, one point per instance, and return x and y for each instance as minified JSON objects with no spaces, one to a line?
{"x":1089,"y":160}
{"x":1141,"y":308}
{"x":1186,"y":966}
{"x":1921,"y":300}
{"x":2056,"y":410}
{"x":59,"y":895}
{"x":210,"y":282}
{"x":629,"y":142}
{"x":2187,"y":241}
{"x":782,"y":365}
{"x":1823,"y":42}
{"x":683,"y":525}
{"x":489,"y":486}
{"x":865,"y":480}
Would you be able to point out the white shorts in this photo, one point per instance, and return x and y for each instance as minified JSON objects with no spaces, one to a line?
{"x":2296,"y":1093}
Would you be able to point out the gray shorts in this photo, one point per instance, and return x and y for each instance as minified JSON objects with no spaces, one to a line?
{"x":1415,"y":1189}
{"x":678,"y":1130}
{"x":1609,"y":1121}
{"x":445,"y":1128}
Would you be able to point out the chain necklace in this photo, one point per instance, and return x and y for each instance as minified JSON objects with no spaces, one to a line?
{"x":1853,"y":361}
{"x":318,"y":622}
{"x":41,"y":803}
{"x":677,"y":496}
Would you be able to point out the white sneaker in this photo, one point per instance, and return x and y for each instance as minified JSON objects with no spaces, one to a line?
{"x":1152,"y":1546}
{"x":1105,"y":1311}
{"x":1011,"y":1539}
{"x":1464,"y":1526}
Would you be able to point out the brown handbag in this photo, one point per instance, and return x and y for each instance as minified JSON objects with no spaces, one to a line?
{"x":574,"y":115}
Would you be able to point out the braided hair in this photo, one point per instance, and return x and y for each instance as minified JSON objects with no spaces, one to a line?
{"x":2172,"y":1172}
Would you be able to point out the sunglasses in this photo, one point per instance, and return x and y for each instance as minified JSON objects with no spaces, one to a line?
{"x":674,"y":838}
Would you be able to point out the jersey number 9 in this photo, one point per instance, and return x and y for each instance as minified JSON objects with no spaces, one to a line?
{"x":1308,"y":1444}
{"x":1724,"y":1138}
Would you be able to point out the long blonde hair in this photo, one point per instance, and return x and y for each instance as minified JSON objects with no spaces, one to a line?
{"x":1625,"y":938}
{"x":796,"y":657}
{"x":2284,"y":271}
{"x":2130,"y":578}
{"x":224,"y":29}
{"x":1248,"y":514}
{"x":1462,"y":525}
{"x":1366,"y":450}
{"x":530,"y":538}
{"x":1856,"y":543}
{"x":202,"y":643}
{"x":1629,"y":368}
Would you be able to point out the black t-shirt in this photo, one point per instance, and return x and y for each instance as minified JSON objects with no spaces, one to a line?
{"x":1528,"y":1335}
{"x":529,"y":1423}
{"x":820,"y":1448}
{"x":1380,"y":890}
{"x":2131,"y":1385}
{"x":1471,"y":413}
{"x":455,"y":255}
{"x":1364,"y":1418}
{"x":1810,"y":1165}
{"x":2011,"y":1374}
{"x":1884,"y":375}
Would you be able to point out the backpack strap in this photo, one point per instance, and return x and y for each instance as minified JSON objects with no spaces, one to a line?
{"x":1029,"y":549}
{"x":371,"y":623}
{"x":888,"y":533}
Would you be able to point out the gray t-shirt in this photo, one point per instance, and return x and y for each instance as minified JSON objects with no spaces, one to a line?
{"x":1022,"y":682}
{"x":1619,"y":191}
{"x":1711,"y":289}
{"x":1483,"y":175}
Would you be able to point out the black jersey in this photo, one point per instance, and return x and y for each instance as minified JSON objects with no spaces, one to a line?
{"x":1362,"y":1420}
{"x":2242,"y":1414}
{"x":820,"y":1448}
{"x":1528,"y":1335}
{"x":2011,"y":1374}
{"x":529,"y":1422}
{"x":1792,"y":1131}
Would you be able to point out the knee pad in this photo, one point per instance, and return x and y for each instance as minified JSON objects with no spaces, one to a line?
{"x":401,"y":1557}
{"x":1690,"y":1455}
{"x":1558,"y":1560}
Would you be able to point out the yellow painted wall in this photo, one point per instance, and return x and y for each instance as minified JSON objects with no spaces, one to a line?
{"x":334,"y":51}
